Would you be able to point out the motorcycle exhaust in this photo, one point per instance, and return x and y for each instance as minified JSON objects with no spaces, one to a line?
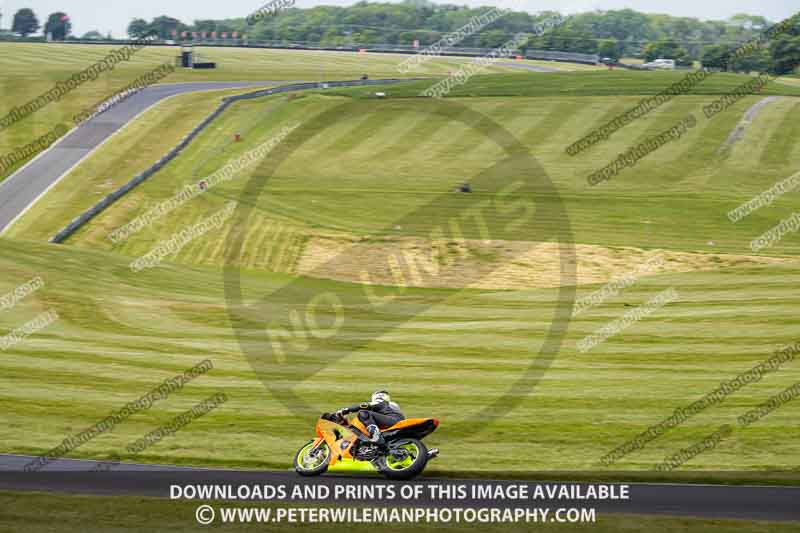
{"x":433,"y":452}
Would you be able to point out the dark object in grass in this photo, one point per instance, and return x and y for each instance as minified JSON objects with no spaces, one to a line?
{"x":465,"y":188}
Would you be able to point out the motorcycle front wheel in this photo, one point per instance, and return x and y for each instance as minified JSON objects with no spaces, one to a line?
{"x":310,"y":462}
{"x":406,"y":459}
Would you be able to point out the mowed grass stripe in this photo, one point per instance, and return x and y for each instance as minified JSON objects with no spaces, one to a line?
{"x":267,"y":241}
{"x":502,"y":113}
{"x":309,"y":190}
{"x":607,"y":113}
{"x":753,"y":142}
{"x":385,"y":141}
{"x":595,"y":112}
{"x":552,"y":146}
{"x":701,"y":159}
{"x":375,"y":127}
{"x":50,"y":63}
{"x":783,"y":146}
{"x":414,"y":129}
{"x":664,"y":117}
{"x":555,"y":113}
{"x":340,"y":134}
{"x":666,"y":165}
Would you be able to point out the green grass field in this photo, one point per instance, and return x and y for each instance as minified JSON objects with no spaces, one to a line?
{"x":454,"y":352}
{"x":369,"y":177}
{"x":592,"y":83}
{"x":423,"y":154}
{"x":32,"y":69}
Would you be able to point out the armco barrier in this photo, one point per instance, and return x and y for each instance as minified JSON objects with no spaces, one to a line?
{"x":567,"y":57}
{"x":455,"y":51}
{"x":103,"y":204}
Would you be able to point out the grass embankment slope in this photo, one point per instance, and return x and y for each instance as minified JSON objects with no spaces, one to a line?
{"x":387,"y":157}
{"x":33,"y":69}
{"x":444,"y":352}
{"x":594,"y":83}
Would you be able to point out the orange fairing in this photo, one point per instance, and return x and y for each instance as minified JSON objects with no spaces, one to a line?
{"x":409,"y":422}
{"x":359,"y":425}
{"x":339,"y":447}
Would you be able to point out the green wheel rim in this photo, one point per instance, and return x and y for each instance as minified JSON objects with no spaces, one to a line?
{"x":411,"y":458}
{"x":306,"y":461}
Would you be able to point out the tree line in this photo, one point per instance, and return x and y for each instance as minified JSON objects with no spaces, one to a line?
{"x":57,"y":25}
{"x":610,"y":34}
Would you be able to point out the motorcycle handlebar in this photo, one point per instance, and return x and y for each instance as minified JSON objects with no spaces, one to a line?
{"x":332,"y":417}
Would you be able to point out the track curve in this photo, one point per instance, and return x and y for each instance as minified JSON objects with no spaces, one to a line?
{"x":23,"y":188}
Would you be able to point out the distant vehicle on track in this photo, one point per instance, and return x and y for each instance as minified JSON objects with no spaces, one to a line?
{"x":661,"y":64}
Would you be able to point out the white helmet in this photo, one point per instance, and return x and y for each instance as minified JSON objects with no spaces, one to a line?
{"x":381,"y":396}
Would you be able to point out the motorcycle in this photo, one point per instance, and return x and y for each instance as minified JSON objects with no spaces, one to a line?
{"x":400,"y":456}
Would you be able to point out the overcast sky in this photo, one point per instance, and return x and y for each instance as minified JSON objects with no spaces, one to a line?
{"x":114,"y":15}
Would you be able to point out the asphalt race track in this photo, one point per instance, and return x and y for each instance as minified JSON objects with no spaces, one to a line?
{"x":707,"y":501}
{"x":534,"y":68}
{"x":20,"y":190}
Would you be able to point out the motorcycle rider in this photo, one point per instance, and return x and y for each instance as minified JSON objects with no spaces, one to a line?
{"x":379,"y":413}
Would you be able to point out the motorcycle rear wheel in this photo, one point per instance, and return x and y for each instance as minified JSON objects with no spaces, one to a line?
{"x":410,"y":466}
{"x":308,"y":462}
